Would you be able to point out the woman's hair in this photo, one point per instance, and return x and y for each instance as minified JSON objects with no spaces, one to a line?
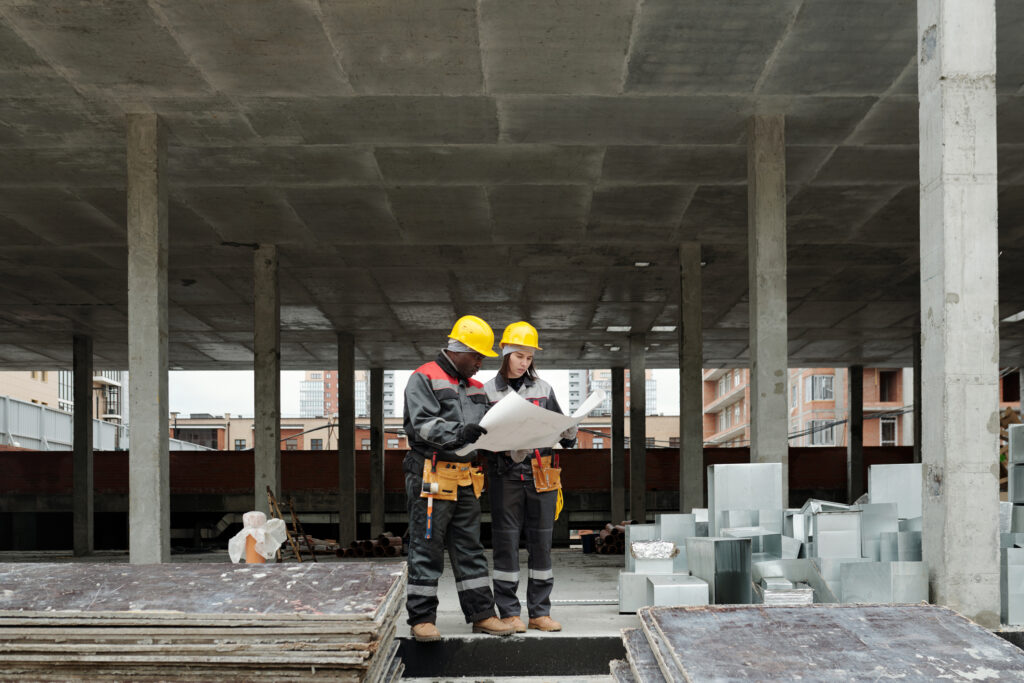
{"x":531,"y":371}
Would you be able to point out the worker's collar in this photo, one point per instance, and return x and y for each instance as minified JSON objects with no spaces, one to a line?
{"x":500,"y":383}
{"x":449,"y":367}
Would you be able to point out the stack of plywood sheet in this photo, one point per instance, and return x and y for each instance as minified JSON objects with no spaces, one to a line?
{"x":813,"y":643}
{"x":201,"y":621}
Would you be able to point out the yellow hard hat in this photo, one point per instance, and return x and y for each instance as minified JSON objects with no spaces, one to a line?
{"x":521,"y":334}
{"x":474,"y":333}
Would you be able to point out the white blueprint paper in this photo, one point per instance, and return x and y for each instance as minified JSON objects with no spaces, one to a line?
{"x":516,"y":424}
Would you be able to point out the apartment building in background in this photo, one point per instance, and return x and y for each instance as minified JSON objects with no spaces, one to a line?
{"x":55,"y":389}
{"x":727,"y":407}
{"x":318,"y":393}
{"x":582,"y":383}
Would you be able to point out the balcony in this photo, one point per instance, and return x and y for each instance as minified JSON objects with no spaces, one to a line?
{"x":734,"y":395}
{"x":728,"y":434}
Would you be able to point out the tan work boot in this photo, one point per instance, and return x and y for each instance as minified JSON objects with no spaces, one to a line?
{"x":516,"y":623}
{"x":425,"y":632}
{"x":545,"y":623}
{"x":493,"y":626}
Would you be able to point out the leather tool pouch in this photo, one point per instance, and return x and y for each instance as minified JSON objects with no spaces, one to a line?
{"x":447,"y":478}
{"x":478,"y":482}
{"x":545,"y":477}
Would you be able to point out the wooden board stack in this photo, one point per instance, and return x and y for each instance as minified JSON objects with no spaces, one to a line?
{"x":201,"y":621}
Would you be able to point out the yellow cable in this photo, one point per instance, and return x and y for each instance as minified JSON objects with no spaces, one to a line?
{"x":559,"y":503}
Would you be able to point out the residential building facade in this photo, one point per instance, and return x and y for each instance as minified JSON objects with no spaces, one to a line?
{"x":582,"y":383}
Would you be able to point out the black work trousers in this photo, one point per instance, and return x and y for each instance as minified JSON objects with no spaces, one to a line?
{"x":455,"y":526}
{"x":516,"y":505}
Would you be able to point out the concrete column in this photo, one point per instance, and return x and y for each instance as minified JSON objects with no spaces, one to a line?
{"x":82,"y":470}
{"x":618,"y":451}
{"x":917,"y":396}
{"x":266,"y":376}
{"x":691,"y":380}
{"x":766,"y":210}
{"x":637,"y":428}
{"x":346,"y":440}
{"x":376,"y":452}
{"x":149,"y":509}
{"x":855,"y":435}
{"x":959,"y":304}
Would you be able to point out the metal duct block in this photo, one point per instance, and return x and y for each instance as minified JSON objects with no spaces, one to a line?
{"x":675,"y":527}
{"x":1015,"y":452}
{"x":912,"y":524}
{"x":908,"y":546}
{"x":1016,"y":484}
{"x":792,"y":596}
{"x":776,"y":583}
{"x":762,"y":540}
{"x":876,"y":518}
{"x":671,"y":591}
{"x":831,"y":571}
{"x":837,"y":534}
{"x":637,"y":532}
{"x":791,"y":548}
{"x":702,"y":529}
{"x":1011,"y":586}
{"x":732,"y":519}
{"x":746,"y":486}
{"x":700,"y":515}
{"x":888,"y":546}
{"x":725,"y":564}
{"x":799,"y":572}
{"x":654,"y":565}
{"x":1005,"y":516}
{"x":770,"y":519}
{"x":632,"y":591}
{"x":813,"y":506}
{"x":1014,"y":540}
{"x":797,"y":526}
{"x":1017,"y":519}
{"x":884,"y":582}
{"x":900,"y":484}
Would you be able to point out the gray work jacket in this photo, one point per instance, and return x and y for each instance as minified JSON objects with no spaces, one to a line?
{"x":438,"y":402}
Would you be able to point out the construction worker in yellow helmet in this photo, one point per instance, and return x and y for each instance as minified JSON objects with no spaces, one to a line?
{"x":524,"y":489}
{"x":443,"y":408}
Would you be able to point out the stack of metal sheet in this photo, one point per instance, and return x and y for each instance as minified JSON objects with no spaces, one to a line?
{"x":745,"y":487}
{"x":724,"y":563}
{"x":201,"y":621}
{"x":900,"y":484}
{"x":816,"y":642}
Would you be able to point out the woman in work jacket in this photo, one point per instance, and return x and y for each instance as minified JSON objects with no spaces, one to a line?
{"x":523,"y":487}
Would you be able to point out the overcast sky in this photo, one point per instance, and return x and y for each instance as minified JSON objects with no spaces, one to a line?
{"x":231,"y":391}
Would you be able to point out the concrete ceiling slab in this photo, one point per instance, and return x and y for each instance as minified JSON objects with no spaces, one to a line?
{"x":514,"y":160}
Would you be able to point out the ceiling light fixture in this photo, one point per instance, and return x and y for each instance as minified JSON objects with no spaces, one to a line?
{"x":1016,"y":317}
{"x":615,"y":348}
{"x":641,"y":264}
{"x":618,"y":328}
{"x":663,"y":328}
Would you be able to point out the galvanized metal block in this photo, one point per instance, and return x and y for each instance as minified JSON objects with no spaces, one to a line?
{"x":884,"y":582}
{"x":770,"y":519}
{"x":876,"y":518}
{"x":800,"y":571}
{"x":745,"y":486}
{"x":1016,"y":483}
{"x":632,"y":591}
{"x":637,"y":532}
{"x":724,"y":563}
{"x":912,"y":524}
{"x":702,"y":529}
{"x":791,"y":548}
{"x":732,"y":519}
{"x":675,"y":527}
{"x":900,"y":484}
{"x":653,"y":565}
{"x":1005,"y":516}
{"x":831,"y":571}
{"x":837,"y":534}
{"x":675,"y":590}
{"x":1017,"y":519}
{"x":1011,"y":586}
{"x":797,"y":526}
{"x":700,"y":515}
{"x":1015,"y":452}
{"x":762,"y":540}
{"x":1014,"y":540}
{"x":901,"y":546}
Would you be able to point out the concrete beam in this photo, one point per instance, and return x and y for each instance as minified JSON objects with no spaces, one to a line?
{"x":691,"y":379}
{"x":618,"y":452}
{"x":959,"y":304}
{"x":266,"y":376}
{"x":766,"y":240}
{"x":917,"y":397}
{"x":376,"y":452}
{"x":637,"y":428}
{"x":855,"y":435}
{"x":149,"y":515}
{"x":82,"y":460}
{"x":346,"y":439}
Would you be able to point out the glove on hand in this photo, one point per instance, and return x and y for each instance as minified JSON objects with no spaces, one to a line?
{"x":567,"y":443}
{"x":471,"y":432}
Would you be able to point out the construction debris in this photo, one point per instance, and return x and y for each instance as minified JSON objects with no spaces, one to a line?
{"x":201,"y":621}
{"x":385,"y":545}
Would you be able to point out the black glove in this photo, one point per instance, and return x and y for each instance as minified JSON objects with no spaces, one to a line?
{"x":471,"y":432}
{"x":567,"y":443}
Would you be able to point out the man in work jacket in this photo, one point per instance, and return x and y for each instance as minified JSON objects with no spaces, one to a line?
{"x":443,"y":407}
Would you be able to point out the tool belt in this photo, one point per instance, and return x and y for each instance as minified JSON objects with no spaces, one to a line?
{"x":449,"y":476}
{"x":546,"y":477}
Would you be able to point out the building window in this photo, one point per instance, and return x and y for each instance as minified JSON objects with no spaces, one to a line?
{"x":392,"y":443}
{"x":291,"y":445}
{"x":366,"y":444}
{"x":598,"y":442}
{"x":316,"y":444}
{"x":649,"y":442}
{"x":736,"y":378}
{"x":823,"y":432}
{"x":793,"y":391}
{"x":819,"y":388}
{"x":888,"y":431}
{"x":316,"y":375}
{"x":239,"y":444}
{"x":673,"y":442}
{"x":888,"y":386}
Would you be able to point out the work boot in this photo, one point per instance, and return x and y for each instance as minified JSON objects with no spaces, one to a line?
{"x":425,"y":632}
{"x":545,"y":623}
{"x":493,"y":626}
{"x":516,"y":623}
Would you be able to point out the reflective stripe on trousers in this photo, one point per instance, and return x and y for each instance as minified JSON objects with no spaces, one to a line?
{"x":455,"y":526}
{"x":516,"y":505}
